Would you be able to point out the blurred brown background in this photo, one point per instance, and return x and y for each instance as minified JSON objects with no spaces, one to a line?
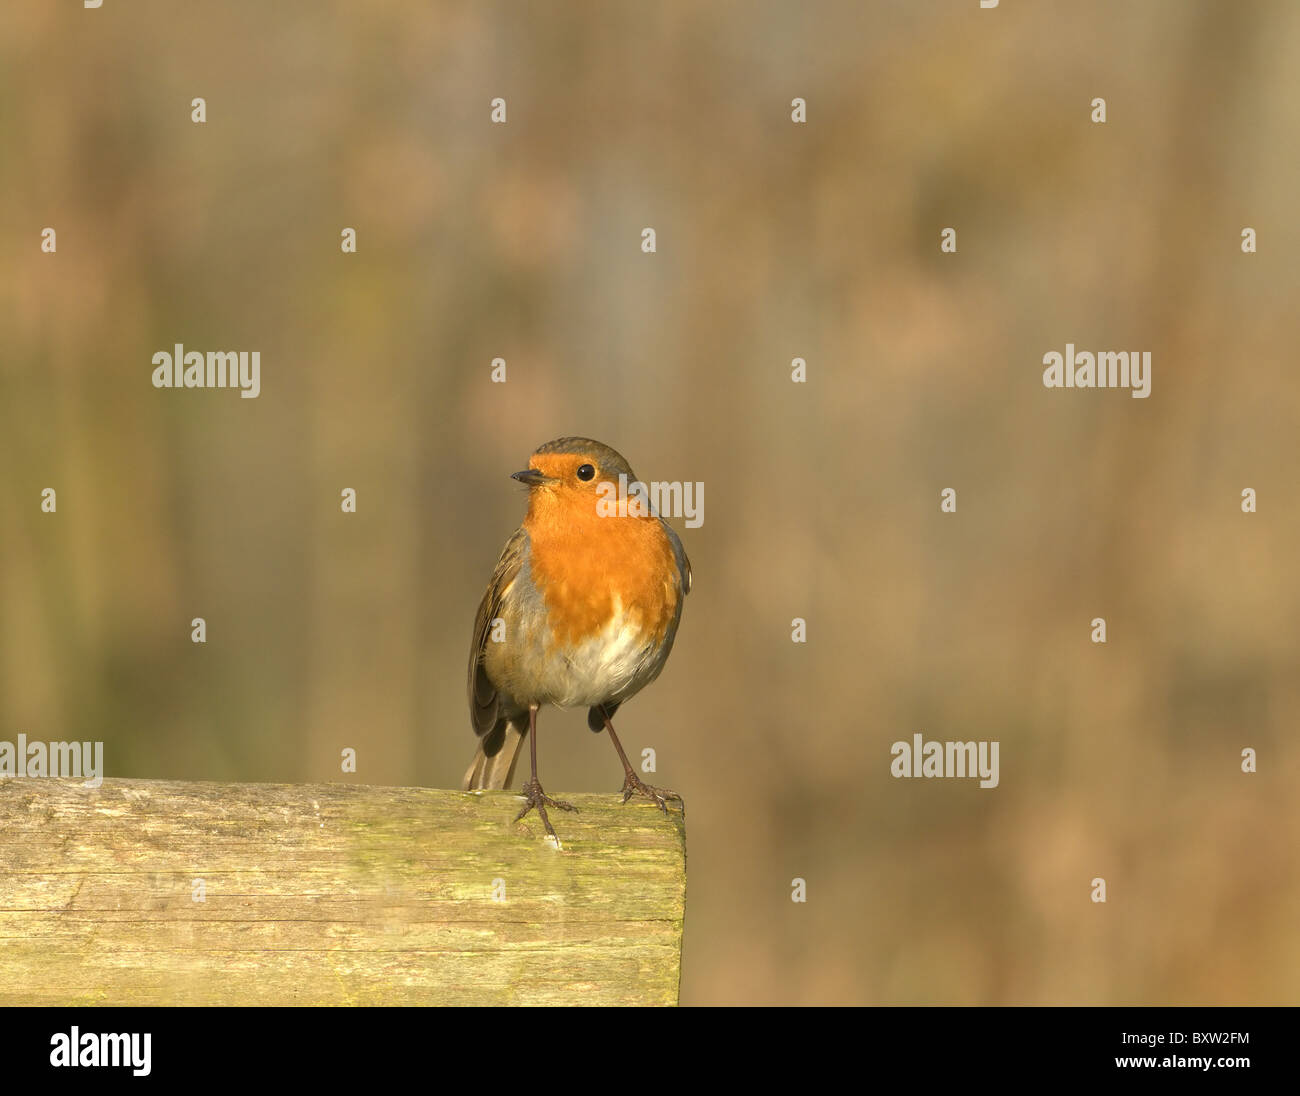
{"x":821,"y":501}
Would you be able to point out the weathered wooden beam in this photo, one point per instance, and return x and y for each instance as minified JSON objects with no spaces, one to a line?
{"x":332,"y":894}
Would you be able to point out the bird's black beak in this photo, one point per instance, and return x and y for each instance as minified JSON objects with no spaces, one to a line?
{"x":531,"y":477}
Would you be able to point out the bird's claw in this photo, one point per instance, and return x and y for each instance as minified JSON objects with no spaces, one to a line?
{"x":534,"y":796}
{"x":661,"y":796}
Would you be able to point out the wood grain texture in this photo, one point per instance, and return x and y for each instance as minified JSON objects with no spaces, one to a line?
{"x":332,"y":894}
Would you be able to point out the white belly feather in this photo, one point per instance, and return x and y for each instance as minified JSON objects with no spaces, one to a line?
{"x":615,"y":663}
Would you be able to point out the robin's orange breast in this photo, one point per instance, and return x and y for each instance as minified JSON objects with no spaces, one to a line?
{"x":588,"y":568}
{"x":591,"y":617}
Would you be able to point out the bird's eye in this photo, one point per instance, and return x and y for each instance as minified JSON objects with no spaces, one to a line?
{"x":586,"y":472}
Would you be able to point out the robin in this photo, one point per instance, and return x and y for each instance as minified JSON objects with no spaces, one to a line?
{"x":582,"y":610}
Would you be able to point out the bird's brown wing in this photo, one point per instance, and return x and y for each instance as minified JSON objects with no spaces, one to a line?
{"x":679,"y":554}
{"x":484,"y":706}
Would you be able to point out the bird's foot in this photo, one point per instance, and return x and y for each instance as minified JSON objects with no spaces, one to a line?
{"x":535,"y":797}
{"x":662,"y":796}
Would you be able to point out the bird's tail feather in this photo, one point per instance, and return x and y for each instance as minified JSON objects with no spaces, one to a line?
{"x":495,"y":770}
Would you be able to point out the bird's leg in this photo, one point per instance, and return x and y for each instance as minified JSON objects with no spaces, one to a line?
{"x":632,"y":783}
{"x":532,"y":791}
